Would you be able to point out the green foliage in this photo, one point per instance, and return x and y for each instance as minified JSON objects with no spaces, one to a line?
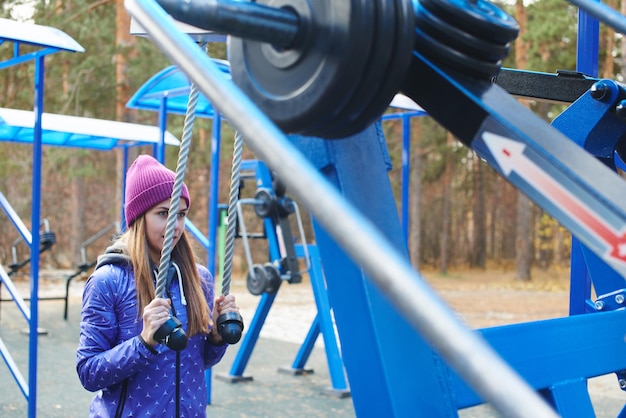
{"x":551,"y":35}
{"x":84,"y":84}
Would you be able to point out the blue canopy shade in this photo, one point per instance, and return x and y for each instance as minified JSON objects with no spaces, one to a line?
{"x":73,"y":131}
{"x":173,"y":86}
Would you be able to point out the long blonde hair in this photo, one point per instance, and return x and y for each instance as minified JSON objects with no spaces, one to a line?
{"x":137,"y":246}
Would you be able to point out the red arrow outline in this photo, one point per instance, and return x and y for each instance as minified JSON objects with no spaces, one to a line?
{"x":509,"y":154}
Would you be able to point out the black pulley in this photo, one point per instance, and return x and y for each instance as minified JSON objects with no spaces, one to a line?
{"x":273,"y":278}
{"x":266,"y":205}
{"x":298,"y":87}
{"x":257,"y":280}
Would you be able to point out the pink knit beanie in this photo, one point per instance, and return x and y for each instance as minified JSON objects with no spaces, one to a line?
{"x":148,"y":182}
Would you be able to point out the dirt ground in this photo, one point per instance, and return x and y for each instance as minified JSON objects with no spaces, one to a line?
{"x":492,"y":297}
{"x":481,"y":298}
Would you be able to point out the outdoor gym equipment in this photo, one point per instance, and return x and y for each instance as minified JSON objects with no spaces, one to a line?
{"x":485,"y":117}
{"x":276,"y":231}
{"x":47,"y":239}
{"x":273,"y":204}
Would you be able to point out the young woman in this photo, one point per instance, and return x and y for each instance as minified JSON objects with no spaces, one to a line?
{"x":117,"y":353}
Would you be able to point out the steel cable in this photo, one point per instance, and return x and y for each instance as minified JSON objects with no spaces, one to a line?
{"x":229,"y":244}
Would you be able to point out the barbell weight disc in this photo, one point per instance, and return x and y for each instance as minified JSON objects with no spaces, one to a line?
{"x":388,"y":62}
{"x":302,"y":89}
{"x":443,"y":55}
{"x":397,"y":67}
{"x":47,"y":238}
{"x":273,"y":278}
{"x":257,"y":282}
{"x":434,"y":17}
{"x":477,"y":17}
{"x":458,"y":39}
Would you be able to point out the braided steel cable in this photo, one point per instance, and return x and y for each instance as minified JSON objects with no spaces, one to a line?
{"x":229,"y":243}
{"x":181,"y":166}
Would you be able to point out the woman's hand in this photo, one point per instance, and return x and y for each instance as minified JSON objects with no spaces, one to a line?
{"x":223,"y":304}
{"x":155,"y":314}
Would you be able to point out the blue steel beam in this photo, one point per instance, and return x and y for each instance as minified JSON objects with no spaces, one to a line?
{"x":370,"y":329}
{"x":321,"y":324}
{"x":556,"y":350}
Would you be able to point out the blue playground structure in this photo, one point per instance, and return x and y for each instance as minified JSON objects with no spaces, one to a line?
{"x":405,"y":352}
{"x":39,"y":128}
{"x":168,"y":92}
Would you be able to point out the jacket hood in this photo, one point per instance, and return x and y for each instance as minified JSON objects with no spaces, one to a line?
{"x":116,"y":254}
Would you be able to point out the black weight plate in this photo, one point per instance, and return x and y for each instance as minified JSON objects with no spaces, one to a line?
{"x":303,"y":88}
{"x":258,"y":283}
{"x":477,"y":17}
{"x":398,"y":65}
{"x":383,"y":30}
{"x":442,"y":55}
{"x":457,"y":39}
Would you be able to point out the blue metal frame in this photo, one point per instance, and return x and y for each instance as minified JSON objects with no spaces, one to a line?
{"x":586,"y":63}
{"x":382,"y":341}
{"x":322,"y":323}
{"x":30,"y":391}
{"x":405,"y":118}
{"x":371,"y":326}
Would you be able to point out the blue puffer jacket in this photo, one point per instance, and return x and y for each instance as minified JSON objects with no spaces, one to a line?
{"x":112,"y":359}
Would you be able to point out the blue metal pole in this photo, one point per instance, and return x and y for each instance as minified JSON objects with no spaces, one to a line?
{"x":325,"y":323}
{"x":254,"y":331}
{"x":307,"y":346}
{"x":160,"y":147}
{"x":125,"y":164}
{"x":216,"y":144}
{"x":216,"y":139}
{"x":587,"y":45}
{"x":34,"y":247}
{"x":406,"y":172}
{"x":587,"y":63}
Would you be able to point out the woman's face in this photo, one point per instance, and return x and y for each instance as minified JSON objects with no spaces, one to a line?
{"x":156,"y":222}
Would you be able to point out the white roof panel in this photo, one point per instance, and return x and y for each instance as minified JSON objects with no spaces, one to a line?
{"x":81,"y":132}
{"x":33,"y":34}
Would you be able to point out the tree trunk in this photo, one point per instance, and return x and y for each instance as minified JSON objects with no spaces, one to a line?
{"x":123,"y":91}
{"x":478,"y":249}
{"x":607,"y":68}
{"x":522,"y":242}
{"x":445,"y":223}
{"x":415,"y":230}
{"x":77,"y":234}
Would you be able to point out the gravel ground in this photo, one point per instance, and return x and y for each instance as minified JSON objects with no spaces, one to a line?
{"x":480,"y":301}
